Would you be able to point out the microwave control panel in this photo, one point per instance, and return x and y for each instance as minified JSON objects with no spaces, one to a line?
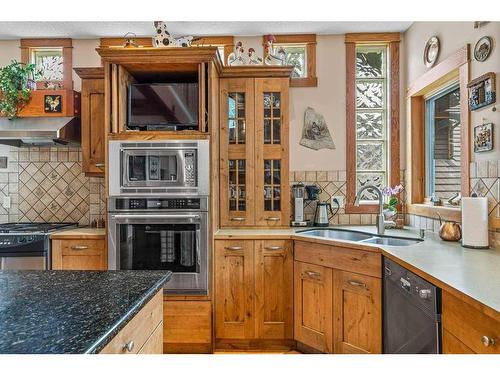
{"x":160,"y":203}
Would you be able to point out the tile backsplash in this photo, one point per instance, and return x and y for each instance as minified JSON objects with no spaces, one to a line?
{"x":48,"y":184}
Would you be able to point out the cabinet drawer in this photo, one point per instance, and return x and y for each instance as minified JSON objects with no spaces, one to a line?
{"x":154,"y":344}
{"x":81,"y":247}
{"x":343,"y":258}
{"x":139,"y":329}
{"x":470,"y":326}
{"x":452,"y":345}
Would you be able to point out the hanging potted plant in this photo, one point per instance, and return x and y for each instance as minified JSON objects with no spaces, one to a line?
{"x":16,"y":82}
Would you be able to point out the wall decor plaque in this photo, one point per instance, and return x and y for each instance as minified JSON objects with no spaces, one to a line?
{"x":53,"y":103}
{"x":315,"y":132}
{"x":431,"y":51}
{"x":483,"y":138}
{"x":482,"y":91}
{"x":482,"y":49}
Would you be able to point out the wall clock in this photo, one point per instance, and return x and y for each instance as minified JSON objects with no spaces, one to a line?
{"x":431,"y":51}
{"x":483,"y":48}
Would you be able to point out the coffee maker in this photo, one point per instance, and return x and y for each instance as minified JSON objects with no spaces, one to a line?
{"x":298,"y":194}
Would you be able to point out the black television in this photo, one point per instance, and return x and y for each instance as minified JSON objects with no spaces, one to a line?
{"x":163,"y":106}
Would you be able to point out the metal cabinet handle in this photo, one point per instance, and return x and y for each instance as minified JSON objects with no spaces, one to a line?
{"x":274,"y":247}
{"x":129,"y":346}
{"x":237,"y":219}
{"x":357,"y":283}
{"x":100,"y":165}
{"x":313,"y":274}
{"x":488,"y":341}
{"x":233,"y":248}
{"x":79,"y":247}
{"x":272,"y":218}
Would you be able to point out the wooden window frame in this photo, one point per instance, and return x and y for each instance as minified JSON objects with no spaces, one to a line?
{"x":455,"y":68}
{"x":27,"y":45}
{"x":225,"y":40}
{"x":310,"y":41}
{"x":392,"y":40}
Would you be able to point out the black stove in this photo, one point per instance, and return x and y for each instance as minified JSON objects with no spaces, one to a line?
{"x":15,"y":228}
{"x":27,"y":245}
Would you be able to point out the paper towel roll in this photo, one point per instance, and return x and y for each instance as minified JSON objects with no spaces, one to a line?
{"x":475,"y":222}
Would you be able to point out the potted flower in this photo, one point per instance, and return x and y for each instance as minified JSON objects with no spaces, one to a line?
{"x":392,"y":201}
{"x":16,"y":82}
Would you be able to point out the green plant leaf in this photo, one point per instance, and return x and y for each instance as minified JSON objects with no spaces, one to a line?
{"x":15,"y":91}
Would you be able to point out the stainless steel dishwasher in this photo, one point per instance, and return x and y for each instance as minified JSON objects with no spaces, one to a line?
{"x":411,"y":311}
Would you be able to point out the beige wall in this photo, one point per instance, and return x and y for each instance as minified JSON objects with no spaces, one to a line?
{"x":453,"y":36}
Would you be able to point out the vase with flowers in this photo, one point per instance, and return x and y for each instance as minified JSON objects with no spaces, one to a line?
{"x":391,"y":201}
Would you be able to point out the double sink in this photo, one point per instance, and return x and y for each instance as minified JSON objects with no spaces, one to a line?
{"x":350,"y":235}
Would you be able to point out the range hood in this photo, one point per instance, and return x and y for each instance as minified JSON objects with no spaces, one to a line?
{"x":40,"y":131}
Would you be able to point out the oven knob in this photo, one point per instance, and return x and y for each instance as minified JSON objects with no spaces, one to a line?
{"x":424,"y":293}
{"x":22,"y":239}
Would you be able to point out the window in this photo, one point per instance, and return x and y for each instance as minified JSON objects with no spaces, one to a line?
{"x":301,"y":54}
{"x":372,"y":115}
{"x":53,"y":58}
{"x":443,"y":144}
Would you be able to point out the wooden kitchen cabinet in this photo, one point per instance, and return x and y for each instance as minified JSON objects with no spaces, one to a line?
{"x":79,"y":254}
{"x":234,"y":289}
{"x":254,"y":160}
{"x":313,"y":306}
{"x":273,"y":289}
{"x":357,"y":313}
{"x":92,"y":120}
{"x":254,"y":290}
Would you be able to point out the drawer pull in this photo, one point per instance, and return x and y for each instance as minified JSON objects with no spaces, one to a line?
{"x":129,"y":346}
{"x":313,"y":274}
{"x":234,"y":248}
{"x":272,"y":218}
{"x":237,"y":219}
{"x":273,"y":247}
{"x":99,"y":165}
{"x":79,"y":247}
{"x":488,"y":341}
{"x":357,"y":283}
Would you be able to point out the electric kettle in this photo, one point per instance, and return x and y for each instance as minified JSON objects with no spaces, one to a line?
{"x":322,"y":216}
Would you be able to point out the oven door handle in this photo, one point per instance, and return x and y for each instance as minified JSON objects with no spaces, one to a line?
{"x":121,"y":217}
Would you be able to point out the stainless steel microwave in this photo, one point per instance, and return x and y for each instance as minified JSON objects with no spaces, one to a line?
{"x":158,"y":167}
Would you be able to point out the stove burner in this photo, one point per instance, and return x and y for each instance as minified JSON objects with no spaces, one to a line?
{"x":34,"y":227}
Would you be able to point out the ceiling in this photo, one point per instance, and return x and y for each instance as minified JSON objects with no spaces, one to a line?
{"x":90,"y":30}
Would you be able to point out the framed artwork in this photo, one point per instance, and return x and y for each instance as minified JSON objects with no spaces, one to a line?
{"x":483,"y":138}
{"x":483,"y":48}
{"x":482,"y":91}
{"x":53,"y":103}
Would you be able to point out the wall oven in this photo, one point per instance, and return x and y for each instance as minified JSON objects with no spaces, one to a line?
{"x":158,"y":168}
{"x":161,"y":234}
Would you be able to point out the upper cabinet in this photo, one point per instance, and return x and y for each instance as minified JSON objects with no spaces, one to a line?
{"x":254,"y":188}
{"x":92,"y":117}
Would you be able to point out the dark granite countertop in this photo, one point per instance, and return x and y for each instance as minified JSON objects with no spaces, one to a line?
{"x":70,"y":311}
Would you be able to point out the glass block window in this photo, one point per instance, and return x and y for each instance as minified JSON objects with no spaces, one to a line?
{"x":49,"y":61}
{"x":372,"y":117}
{"x":296,"y":55}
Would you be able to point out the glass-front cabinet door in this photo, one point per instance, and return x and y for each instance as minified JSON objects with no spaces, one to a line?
{"x":237,"y":152}
{"x":272,"y":196}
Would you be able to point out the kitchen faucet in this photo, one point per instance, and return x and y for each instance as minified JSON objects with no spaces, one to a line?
{"x":380,"y":217}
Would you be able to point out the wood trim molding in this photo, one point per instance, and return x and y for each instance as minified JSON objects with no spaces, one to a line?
{"x":256,"y":71}
{"x":90,"y":73}
{"x":394,"y":163}
{"x":440,"y":73}
{"x":372,"y":37}
{"x":455,"y":67}
{"x":427,"y":210}
{"x":310,"y":41}
{"x":66,"y":44}
{"x":116,"y":42}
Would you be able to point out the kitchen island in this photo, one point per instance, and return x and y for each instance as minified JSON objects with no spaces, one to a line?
{"x":77,"y":312}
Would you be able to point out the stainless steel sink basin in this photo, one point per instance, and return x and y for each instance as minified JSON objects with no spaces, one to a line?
{"x":391,"y":241}
{"x":336,"y":234}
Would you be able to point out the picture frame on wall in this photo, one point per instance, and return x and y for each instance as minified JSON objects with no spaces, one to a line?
{"x":483,"y":138}
{"x":482,"y":91}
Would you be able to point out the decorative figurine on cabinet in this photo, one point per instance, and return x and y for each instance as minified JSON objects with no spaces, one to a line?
{"x":236,"y":57}
{"x":274,"y":57}
{"x":164,"y":39}
{"x":253,"y":59}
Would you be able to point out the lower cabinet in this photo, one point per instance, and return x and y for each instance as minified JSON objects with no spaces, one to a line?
{"x":253,"y":289}
{"x":143,"y":334}
{"x":313,"y":306}
{"x":337,"y":310}
{"x":79,"y":254}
